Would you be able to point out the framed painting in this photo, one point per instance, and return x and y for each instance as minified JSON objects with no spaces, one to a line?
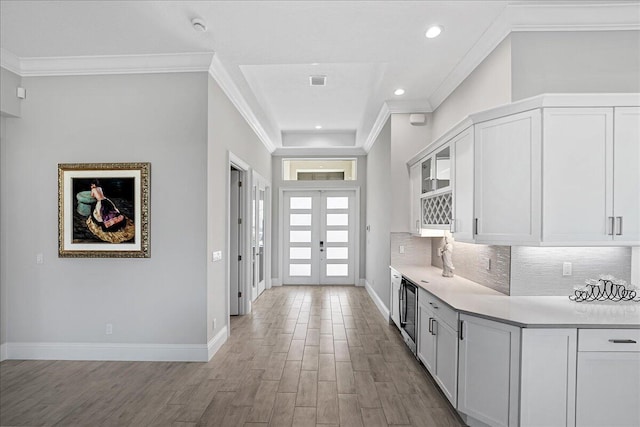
{"x":103,"y":210}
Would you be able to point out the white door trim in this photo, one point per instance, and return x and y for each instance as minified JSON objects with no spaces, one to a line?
{"x":244,"y":306}
{"x":282,"y":190}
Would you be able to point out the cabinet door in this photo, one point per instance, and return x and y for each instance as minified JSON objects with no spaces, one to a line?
{"x":394,"y":299}
{"x":626,"y":179}
{"x":415,"y":177}
{"x":489,"y":371}
{"x":608,"y":389}
{"x":548,"y":379}
{"x":577,"y":178}
{"x":426,"y":339}
{"x":507,"y":179}
{"x":462,"y":224}
{"x":446,"y":374}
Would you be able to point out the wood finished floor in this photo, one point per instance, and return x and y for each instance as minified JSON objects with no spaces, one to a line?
{"x":307,"y":356}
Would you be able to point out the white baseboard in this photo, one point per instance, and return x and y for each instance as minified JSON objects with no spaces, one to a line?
{"x":3,"y":352}
{"x":376,"y":299}
{"x":361,"y":282}
{"x":216,"y":342}
{"x":275,"y":281}
{"x":107,"y":351}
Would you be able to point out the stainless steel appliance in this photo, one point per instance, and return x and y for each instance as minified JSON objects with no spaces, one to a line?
{"x":408,"y":312}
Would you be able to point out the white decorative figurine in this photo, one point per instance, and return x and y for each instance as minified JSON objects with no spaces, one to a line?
{"x":447,"y":253}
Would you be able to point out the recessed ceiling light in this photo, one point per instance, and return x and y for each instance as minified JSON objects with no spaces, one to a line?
{"x":199,"y":24}
{"x":318,"y":127}
{"x":399,"y":92}
{"x":433,"y":31}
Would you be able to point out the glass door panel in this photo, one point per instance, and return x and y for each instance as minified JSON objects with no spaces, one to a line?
{"x":443,"y":168}
{"x":427,"y":176}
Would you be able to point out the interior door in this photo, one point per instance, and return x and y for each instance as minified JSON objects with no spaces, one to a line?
{"x":259,"y":237}
{"x":319,"y":237}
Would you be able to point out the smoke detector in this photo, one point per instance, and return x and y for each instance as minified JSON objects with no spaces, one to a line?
{"x":318,"y":80}
{"x":199,"y":24}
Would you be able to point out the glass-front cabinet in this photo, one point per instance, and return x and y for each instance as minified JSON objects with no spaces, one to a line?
{"x":431,"y":181}
{"x":436,"y":171}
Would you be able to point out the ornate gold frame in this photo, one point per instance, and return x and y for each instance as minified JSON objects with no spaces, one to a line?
{"x":142,"y":211}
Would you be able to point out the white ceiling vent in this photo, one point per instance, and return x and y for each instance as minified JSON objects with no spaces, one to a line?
{"x":318,"y":80}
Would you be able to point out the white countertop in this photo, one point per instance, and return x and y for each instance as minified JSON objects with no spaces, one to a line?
{"x":469,"y":297}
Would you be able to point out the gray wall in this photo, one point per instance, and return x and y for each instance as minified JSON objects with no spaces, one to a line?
{"x":157,"y":118}
{"x":360,"y":182}
{"x":489,"y":85}
{"x":570,"y":62}
{"x":379,"y":214}
{"x":9,"y":102}
{"x":538,"y":271}
{"x":227,"y":131}
{"x":406,"y":141}
{"x":3,"y":282}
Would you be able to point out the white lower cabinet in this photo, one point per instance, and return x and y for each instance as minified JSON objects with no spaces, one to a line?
{"x":548,"y":377}
{"x":394,"y":298}
{"x":489,"y":370}
{"x":608,"y":378}
{"x":437,"y":346}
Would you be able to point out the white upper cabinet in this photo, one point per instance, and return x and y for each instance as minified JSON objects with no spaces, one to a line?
{"x":462,"y":153}
{"x":552,"y":170}
{"x":578,"y":175}
{"x":507,"y":179}
{"x":415,"y":177}
{"x":591,"y":179}
{"x":626,"y":175}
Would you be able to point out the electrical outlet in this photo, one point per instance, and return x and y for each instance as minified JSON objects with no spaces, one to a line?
{"x":215,"y":322}
{"x":567,"y":269}
{"x":439,"y":251}
{"x":39,"y":259}
{"x":488,"y":264}
{"x":109,"y":329}
{"x":401,"y":249}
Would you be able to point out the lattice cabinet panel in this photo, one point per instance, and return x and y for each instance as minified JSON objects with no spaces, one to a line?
{"x":436,"y":210}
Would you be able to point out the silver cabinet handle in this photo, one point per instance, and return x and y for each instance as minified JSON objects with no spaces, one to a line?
{"x":611,"y":221}
{"x":475,"y":226}
{"x":623,"y":341}
{"x":619,"y":226}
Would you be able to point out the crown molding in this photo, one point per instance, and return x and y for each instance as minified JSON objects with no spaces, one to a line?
{"x":378,"y":124}
{"x":539,"y":16}
{"x":319,"y":151}
{"x":228,"y":86}
{"x":9,"y":61}
{"x":114,"y":64}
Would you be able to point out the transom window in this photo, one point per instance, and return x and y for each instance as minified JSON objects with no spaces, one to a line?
{"x":319,"y":169}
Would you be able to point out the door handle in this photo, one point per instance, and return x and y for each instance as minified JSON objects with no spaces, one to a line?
{"x":434,"y":327}
{"x":623,"y":341}
{"x":461,"y":336}
{"x":430,"y":325}
{"x":475,"y":226}
{"x":619,"y":226}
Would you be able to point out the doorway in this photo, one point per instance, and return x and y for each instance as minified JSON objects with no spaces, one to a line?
{"x":235,"y":241}
{"x":319,"y":237}
{"x":260,"y":208}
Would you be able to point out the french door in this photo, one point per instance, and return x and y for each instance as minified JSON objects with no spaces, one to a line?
{"x":319,"y":236}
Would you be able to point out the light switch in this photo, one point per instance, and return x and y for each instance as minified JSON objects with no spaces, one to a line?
{"x":39,"y":259}
{"x":217,"y":255}
{"x":401,"y":249}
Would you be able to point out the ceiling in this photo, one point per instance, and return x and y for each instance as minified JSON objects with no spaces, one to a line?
{"x":264,"y":51}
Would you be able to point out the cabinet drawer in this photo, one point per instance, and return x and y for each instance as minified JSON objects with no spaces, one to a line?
{"x":440,"y":309}
{"x":609,"y":340}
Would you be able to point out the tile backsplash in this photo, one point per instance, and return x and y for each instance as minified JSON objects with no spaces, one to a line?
{"x":417,"y":250}
{"x":538,"y":271}
{"x":471,"y":262}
